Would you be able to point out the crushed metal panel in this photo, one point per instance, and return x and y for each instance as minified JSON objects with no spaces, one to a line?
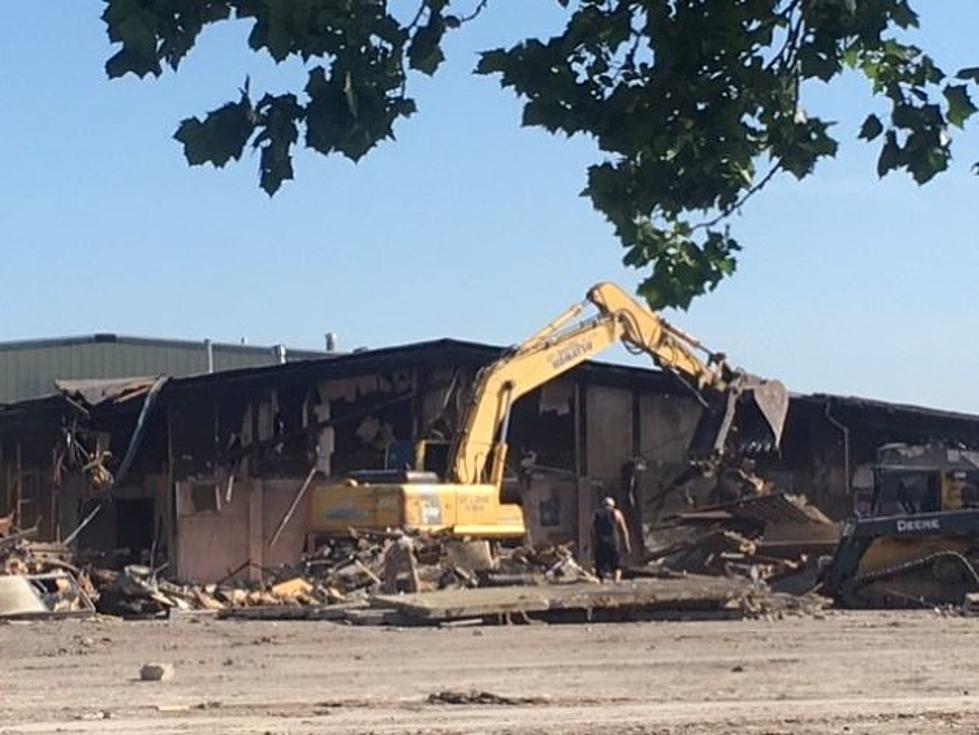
{"x":109,"y":390}
{"x":767,"y":509}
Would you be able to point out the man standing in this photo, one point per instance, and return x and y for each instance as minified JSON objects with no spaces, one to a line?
{"x":608,"y":531}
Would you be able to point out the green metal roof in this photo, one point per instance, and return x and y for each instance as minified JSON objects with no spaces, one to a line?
{"x":28,"y":368}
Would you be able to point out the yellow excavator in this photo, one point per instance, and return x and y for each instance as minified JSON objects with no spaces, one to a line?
{"x":738,"y":409}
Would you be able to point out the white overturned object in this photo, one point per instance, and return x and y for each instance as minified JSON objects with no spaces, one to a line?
{"x":19,"y":597}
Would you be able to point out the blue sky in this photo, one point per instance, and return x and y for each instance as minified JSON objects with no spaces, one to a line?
{"x":468,"y":226}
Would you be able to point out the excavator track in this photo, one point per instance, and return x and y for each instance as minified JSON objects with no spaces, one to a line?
{"x":942,"y":578}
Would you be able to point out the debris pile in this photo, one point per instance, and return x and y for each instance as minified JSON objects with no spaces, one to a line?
{"x":763,"y":604}
{"x":345,"y":572}
{"x":537,"y":565}
{"x":37,"y":580}
{"x":776,"y":538}
{"x":721,"y":561}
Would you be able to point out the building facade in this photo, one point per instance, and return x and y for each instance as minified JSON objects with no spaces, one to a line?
{"x":200,"y":471}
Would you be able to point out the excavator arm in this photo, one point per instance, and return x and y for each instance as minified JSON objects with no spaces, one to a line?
{"x":479,"y":452}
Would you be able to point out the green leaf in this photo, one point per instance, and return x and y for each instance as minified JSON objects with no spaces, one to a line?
{"x":126,"y":60}
{"x":904,"y":16}
{"x":133,"y":25}
{"x":890,"y":155}
{"x":425,"y":53}
{"x":279,"y":117}
{"x":871,"y":128}
{"x":275,"y":168}
{"x":970,"y":73}
{"x":493,"y":61}
{"x":219,"y":137}
{"x":960,"y":106}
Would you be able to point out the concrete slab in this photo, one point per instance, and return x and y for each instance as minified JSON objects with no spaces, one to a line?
{"x":689,"y":593}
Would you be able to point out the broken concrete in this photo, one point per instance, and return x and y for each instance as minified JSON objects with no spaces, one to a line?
{"x":581,"y":601}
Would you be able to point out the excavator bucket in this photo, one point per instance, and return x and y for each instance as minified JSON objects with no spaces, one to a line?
{"x":749,"y":417}
{"x":762,"y":409}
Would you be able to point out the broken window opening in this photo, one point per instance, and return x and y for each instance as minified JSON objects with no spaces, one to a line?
{"x":204,"y":497}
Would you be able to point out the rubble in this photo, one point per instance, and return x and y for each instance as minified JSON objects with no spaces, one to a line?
{"x":769,"y":605}
{"x":343,"y":574}
{"x":296,"y":589}
{"x":475,"y":696}
{"x":38,"y":580}
{"x":777,"y":538}
{"x":717,"y":563}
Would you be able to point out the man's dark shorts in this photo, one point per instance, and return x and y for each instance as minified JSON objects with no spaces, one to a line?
{"x":607,"y":558}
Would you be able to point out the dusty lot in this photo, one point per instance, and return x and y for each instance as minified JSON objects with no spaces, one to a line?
{"x":847,"y":673}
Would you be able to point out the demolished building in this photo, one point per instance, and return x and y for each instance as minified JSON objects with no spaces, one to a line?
{"x":200,"y":472}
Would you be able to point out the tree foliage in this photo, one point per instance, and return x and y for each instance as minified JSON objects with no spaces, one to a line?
{"x":696,"y":104}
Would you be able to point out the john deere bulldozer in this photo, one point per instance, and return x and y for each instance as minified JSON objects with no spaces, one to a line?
{"x":919,"y":544}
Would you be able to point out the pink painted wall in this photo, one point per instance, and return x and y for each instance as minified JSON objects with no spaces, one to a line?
{"x":211,"y":544}
{"x":277,"y":497}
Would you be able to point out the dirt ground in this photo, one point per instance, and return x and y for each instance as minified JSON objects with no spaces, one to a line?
{"x":846,"y":673}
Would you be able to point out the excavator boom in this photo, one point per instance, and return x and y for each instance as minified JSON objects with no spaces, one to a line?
{"x":732,"y":399}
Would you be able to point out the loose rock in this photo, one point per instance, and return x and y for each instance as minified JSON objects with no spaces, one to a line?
{"x":156,"y":672}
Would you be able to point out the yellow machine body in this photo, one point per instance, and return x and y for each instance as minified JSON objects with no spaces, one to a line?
{"x":462,"y":510}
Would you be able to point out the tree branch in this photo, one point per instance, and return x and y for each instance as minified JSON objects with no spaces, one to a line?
{"x":418,"y":16}
{"x":786,"y":54}
{"x":480,"y":7}
{"x":741,"y":202}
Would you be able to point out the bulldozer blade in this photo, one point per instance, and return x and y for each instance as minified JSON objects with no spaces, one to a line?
{"x":762,"y":410}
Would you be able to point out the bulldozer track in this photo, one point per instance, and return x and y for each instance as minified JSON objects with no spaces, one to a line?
{"x":898,"y":570}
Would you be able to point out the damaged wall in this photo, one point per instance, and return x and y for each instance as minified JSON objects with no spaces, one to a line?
{"x":270,"y":440}
{"x":218,"y":537}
